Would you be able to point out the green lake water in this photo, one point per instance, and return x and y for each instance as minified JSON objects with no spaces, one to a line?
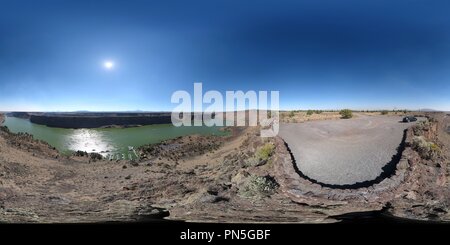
{"x":110,"y":142}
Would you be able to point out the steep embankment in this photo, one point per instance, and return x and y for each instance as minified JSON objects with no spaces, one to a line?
{"x":19,"y":114}
{"x":76,"y":121}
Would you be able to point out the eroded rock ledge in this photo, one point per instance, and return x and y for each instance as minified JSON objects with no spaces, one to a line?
{"x":304,"y":190}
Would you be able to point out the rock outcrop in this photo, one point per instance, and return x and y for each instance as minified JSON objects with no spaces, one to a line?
{"x":417,"y":190}
{"x":75,"y":121}
{"x":19,"y":114}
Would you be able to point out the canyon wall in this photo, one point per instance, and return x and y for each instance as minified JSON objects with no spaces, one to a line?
{"x":76,"y":121}
{"x":19,"y":114}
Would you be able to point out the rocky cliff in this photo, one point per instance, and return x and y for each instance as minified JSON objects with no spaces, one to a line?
{"x":75,"y":121}
{"x":19,"y":114}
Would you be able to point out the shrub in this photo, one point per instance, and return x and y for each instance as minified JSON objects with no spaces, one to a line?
{"x":384,"y":112}
{"x":265,"y":152}
{"x":420,"y":127}
{"x":262,"y":155}
{"x":258,"y":186}
{"x":346,"y":113}
{"x":309,"y":112}
{"x":252,"y":161}
{"x":291,"y":114}
{"x":426,"y":150}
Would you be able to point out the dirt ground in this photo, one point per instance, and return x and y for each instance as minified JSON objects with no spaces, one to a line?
{"x":345,"y":152}
{"x":192,"y":178}
{"x":317,"y":115}
{"x":39,"y":185}
{"x":301,"y":116}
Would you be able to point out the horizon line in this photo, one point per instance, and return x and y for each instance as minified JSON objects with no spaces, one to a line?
{"x":281,"y":110}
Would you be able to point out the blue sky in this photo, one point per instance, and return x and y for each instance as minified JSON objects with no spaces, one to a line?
{"x":318,"y":54}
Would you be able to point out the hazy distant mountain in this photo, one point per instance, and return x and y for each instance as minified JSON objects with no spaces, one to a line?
{"x":427,"y":110}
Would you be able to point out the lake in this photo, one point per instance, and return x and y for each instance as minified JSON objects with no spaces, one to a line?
{"x":110,"y":142}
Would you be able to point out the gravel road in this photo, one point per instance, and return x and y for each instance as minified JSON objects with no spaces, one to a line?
{"x":344,"y":152}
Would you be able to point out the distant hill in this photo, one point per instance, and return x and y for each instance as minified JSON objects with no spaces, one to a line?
{"x":428,"y":110}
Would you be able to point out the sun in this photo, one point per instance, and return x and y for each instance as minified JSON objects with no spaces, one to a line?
{"x":108,"y":64}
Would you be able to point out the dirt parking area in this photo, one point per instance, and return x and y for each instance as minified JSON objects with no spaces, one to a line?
{"x":344,"y":152}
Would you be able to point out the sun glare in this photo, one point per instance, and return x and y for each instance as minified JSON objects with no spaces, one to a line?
{"x":108,"y":65}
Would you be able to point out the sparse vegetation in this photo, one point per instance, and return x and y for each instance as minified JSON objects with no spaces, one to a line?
{"x":419,"y":129}
{"x":426,"y":150}
{"x":297,"y":116}
{"x":262,"y":155}
{"x":384,"y":112}
{"x":310,"y":112}
{"x":266,"y":151}
{"x":258,"y":187}
{"x":346,"y":113}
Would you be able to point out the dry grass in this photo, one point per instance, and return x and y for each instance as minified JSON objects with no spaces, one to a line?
{"x":304,"y":116}
{"x":301,"y":116}
{"x":389,"y":113}
{"x":426,"y":149}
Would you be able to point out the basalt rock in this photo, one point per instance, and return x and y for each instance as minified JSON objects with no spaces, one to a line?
{"x":92,"y":121}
